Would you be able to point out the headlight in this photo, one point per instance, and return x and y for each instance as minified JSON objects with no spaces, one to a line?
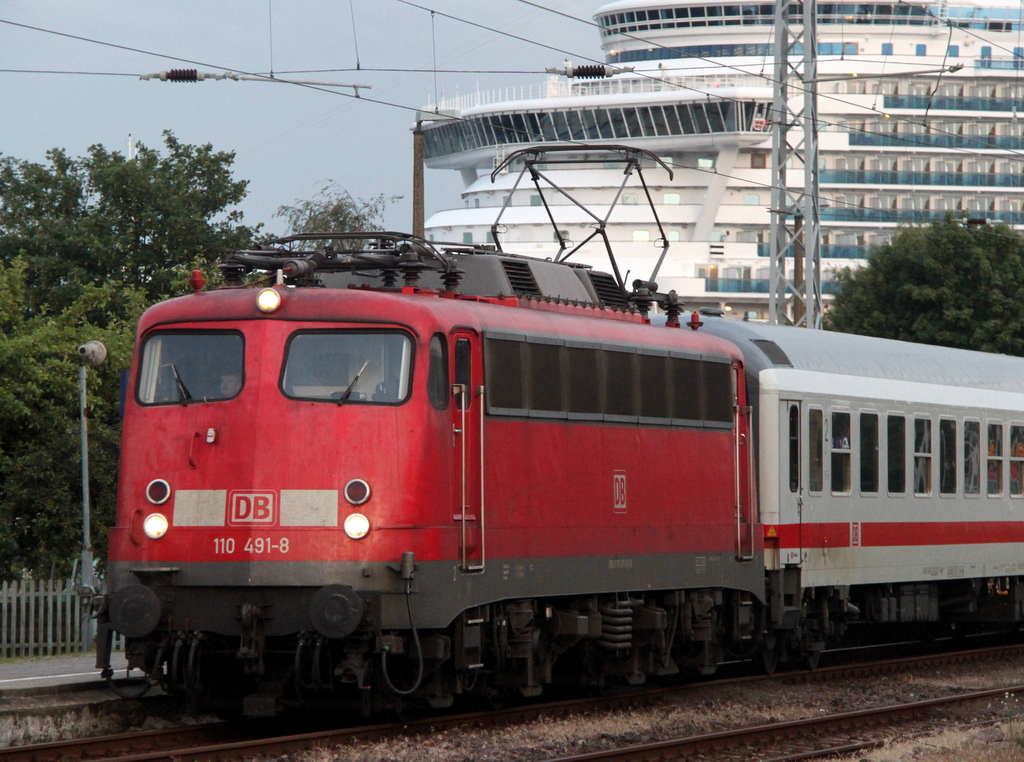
{"x":155,"y":526}
{"x":357,"y":526}
{"x":268,"y":300}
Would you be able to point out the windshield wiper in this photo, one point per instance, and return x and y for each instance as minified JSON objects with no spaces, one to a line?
{"x":351,"y":386}
{"x":183,"y":393}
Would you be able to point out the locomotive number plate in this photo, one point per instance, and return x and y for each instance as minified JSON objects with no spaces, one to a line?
{"x":258,"y":545}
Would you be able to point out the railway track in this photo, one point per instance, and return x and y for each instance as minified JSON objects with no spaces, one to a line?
{"x":817,"y":736}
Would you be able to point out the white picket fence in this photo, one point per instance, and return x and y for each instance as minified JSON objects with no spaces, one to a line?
{"x":40,"y":618}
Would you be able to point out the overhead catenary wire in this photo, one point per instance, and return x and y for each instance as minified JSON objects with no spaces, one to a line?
{"x":910,"y":217}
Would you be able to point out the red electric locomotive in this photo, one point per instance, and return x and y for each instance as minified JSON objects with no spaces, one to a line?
{"x":485,"y":479}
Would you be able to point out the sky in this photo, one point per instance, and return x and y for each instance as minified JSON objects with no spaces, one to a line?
{"x":288,"y":140}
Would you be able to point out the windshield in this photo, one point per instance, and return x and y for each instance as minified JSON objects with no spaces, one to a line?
{"x":193,"y":366}
{"x":345,"y":366}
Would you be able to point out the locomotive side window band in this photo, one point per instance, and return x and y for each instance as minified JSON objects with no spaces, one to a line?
{"x":544,"y":377}
{"x":182,"y":367}
{"x":348,"y":367}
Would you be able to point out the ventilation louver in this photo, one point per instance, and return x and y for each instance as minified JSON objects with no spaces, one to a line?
{"x":520,"y":277}
{"x":773,"y":352}
{"x":608,"y":290}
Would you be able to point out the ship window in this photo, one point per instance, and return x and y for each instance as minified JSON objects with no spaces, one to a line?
{"x":349,"y":366}
{"x":619,"y":129}
{"x":670,"y":198}
{"x":437,"y":377}
{"x":181,"y":367}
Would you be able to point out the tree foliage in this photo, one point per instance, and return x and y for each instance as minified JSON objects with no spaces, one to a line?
{"x":103,"y":218}
{"x":333,"y":209}
{"x":947,"y":283}
{"x":85,"y":245}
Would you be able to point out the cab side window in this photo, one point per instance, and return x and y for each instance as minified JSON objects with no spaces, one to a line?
{"x":437,"y":378}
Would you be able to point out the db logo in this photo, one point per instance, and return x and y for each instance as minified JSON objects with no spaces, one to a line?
{"x":619,"y":491}
{"x":252,"y":508}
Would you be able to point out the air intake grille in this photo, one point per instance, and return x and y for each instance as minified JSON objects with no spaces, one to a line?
{"x":520,"y":277}
{"x":608,"y":290}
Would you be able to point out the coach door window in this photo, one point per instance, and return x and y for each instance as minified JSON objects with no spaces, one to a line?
{"x":972,"y":458}
{"x":841,"y":452}
{"x":1016,"y":461}
{"x":922,"y":456}
{"x":896,"y":448}
{"x":868,"y":452}
{"x":463,"y":373}
{"x":794,"y":448}
{"x":816,"y":473}
{"x":995,"y":459}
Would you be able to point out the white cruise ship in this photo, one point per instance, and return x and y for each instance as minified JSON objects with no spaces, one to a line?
{"x":902,"y":142}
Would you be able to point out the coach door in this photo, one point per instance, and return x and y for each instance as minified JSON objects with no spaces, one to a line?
{"x":468,"y":441}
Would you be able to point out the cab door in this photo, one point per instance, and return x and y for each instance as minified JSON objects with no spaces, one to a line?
{"x":793,"y":477}
{"x":468,"y":441}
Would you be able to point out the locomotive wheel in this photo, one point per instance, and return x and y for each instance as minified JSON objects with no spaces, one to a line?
{"x":812,"y":659}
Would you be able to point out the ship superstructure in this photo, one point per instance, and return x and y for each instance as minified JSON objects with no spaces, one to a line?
{"x":902,"y":139}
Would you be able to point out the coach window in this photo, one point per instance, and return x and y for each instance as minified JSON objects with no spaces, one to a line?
{"x":1017,"y":461}
{"x":437,"y":378}
{"x":972,"y":458}
{"x":794,"y":448}
{"x":868,"y":452}
{"x":995,"y":459}
{"x":896,"y":448}
{"x":816,"y":472}
{"x":922,"y":456}
{"x":947,"y":457}
{"x":841,"y":452}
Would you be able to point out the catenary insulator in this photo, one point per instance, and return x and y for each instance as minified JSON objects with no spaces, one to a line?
{"x":182,"y":75}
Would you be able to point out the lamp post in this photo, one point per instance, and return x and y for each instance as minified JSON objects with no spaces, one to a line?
{"x":92,"y":353}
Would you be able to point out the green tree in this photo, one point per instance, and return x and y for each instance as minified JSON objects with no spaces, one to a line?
{"x":40,"y":461}
{"x":333,"y":209}
{"x":85,"y":245}
{"x":946,"y":283}
{"x":103,"y":218}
